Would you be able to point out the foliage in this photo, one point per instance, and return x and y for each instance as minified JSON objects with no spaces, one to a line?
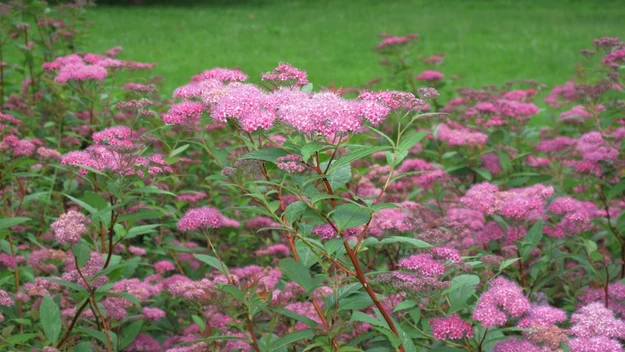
{"x":277,"y":216}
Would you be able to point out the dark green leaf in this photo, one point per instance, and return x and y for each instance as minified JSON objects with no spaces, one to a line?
{"x":10,"y":222}
{"x":266,"y":154}
{"x":531,"y":240}
{"x":350,"y":215}
{"x":289,"y":339}
{"x":50,"y":317}
{"x":297,"y":272}
{"x":213,"y":262}
{"x":129,"y":333}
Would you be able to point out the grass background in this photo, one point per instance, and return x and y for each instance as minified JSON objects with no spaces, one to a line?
{"x":489,"y":42}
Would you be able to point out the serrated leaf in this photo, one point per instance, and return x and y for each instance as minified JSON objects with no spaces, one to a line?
{"x":413,"y":242}
{"x":354,"y":155}
{"x":337,"y":178}
{"x":50,"y":317}
{"x":213,"y":262}
{"x":461,"y":288}
{"x":301,"y":318}
{"x":312,"y":147}
{"x":10,"y":222}
{"x":411,"y":141}
{"x":289,"y":339}
{"x":531,"y":240}
{"x":297,"y":272}
{"x":140,"y":230}
{"x":82,"y":252}
{"x":350,"y":215}
{"x":179,"y":150}
{"x":266,"y":154}
{"x":67,"y":284}
{"x":484,"y":173}
{"x":294,"y":211}
{"x":129,"y":333}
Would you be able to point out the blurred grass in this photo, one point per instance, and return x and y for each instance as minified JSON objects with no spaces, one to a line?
{"x":489,"y":42}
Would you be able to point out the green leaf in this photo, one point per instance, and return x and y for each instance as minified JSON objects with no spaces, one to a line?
{"x":50,"y":317}
{"x":67,"y":284}
{"x":407,"y":304}
{"x":312,"y":147}
{"x":213,"y":262}
{"x":617,"y":189}
{"x":129,"y":333}
{"x":378,"y":325}
{"x":297,"y":272}
{"x":95,"y":200}
{"x":84,"y":346}
{"x":411,"y":141}
{"x":199,"y":321}
{"x":413,"y":242}
{"x":82,"y":204}
{"x":294,"y":211}
{"x":306,"y":255}
{"x":10,"y":222}
{"x":355,"y":302}
{"x":484,"y":173}
{"x":140,"y":230}
{"x":82,"y":253}
{"x":100,"y":336}
{"x":531,"y":240}
{"x":291,"y":338}
{"x":354,"y":155}
{"x":337,"y":178}
{"x":296,"y":316}
{"x":178,"y":150}
{"x":266,"y":154}
{"x":350,"y":215}
{"x":20,"y":338}
{"x":460,"y":290}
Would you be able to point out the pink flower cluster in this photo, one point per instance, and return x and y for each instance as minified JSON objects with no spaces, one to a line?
{"x":503,"y":297}
{"x":517,"y":203}
{"x":424,"y":264}
{"x":287,"y":73}
{"x":461,"y":137}
{"x":204,"y":218}
{"x":70,"y":227}
{"x":451,"y":327}
{"x":291,"y":163}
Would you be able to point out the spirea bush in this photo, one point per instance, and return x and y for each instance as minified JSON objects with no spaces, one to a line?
{"x":272,"y":216}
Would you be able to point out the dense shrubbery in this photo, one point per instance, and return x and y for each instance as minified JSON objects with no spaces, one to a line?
{"x":274,"y":217}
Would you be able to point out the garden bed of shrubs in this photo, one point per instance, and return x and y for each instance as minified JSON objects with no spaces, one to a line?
{"x":284,"y":216}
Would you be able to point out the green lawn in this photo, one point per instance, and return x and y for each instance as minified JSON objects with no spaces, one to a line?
{"x":487,"y":41}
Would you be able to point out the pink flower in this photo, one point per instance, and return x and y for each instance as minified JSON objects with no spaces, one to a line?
{"x":542,"y":316}
{"x":461,"y":136}
{"x":80,"y":72}
{"x":204,"y":218}
{"x":286,"y":73}
{"x":515,"y":345}
{"x":595,"y":319}
{"x":595,"y":344}
{"x":502,"y":297}
{"x":163,"y":266}
{"x":153,"y":314}
{"x":424,"y":264}
{"x":450,"y":254}
{"x":431,"y":76}
{"x":186,"y":112}
{"x":291,"y":163}
{"x":221,"y":74}
{"x":70,"y":227}
{"x":451,"y":327}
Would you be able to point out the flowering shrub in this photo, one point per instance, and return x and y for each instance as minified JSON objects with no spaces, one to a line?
{"x":272,"y":217}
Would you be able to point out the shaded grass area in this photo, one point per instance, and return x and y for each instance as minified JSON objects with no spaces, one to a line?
{"x":489,"y":42}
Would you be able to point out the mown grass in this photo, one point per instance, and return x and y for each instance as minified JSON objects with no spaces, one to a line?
{"x":489,"y":42}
